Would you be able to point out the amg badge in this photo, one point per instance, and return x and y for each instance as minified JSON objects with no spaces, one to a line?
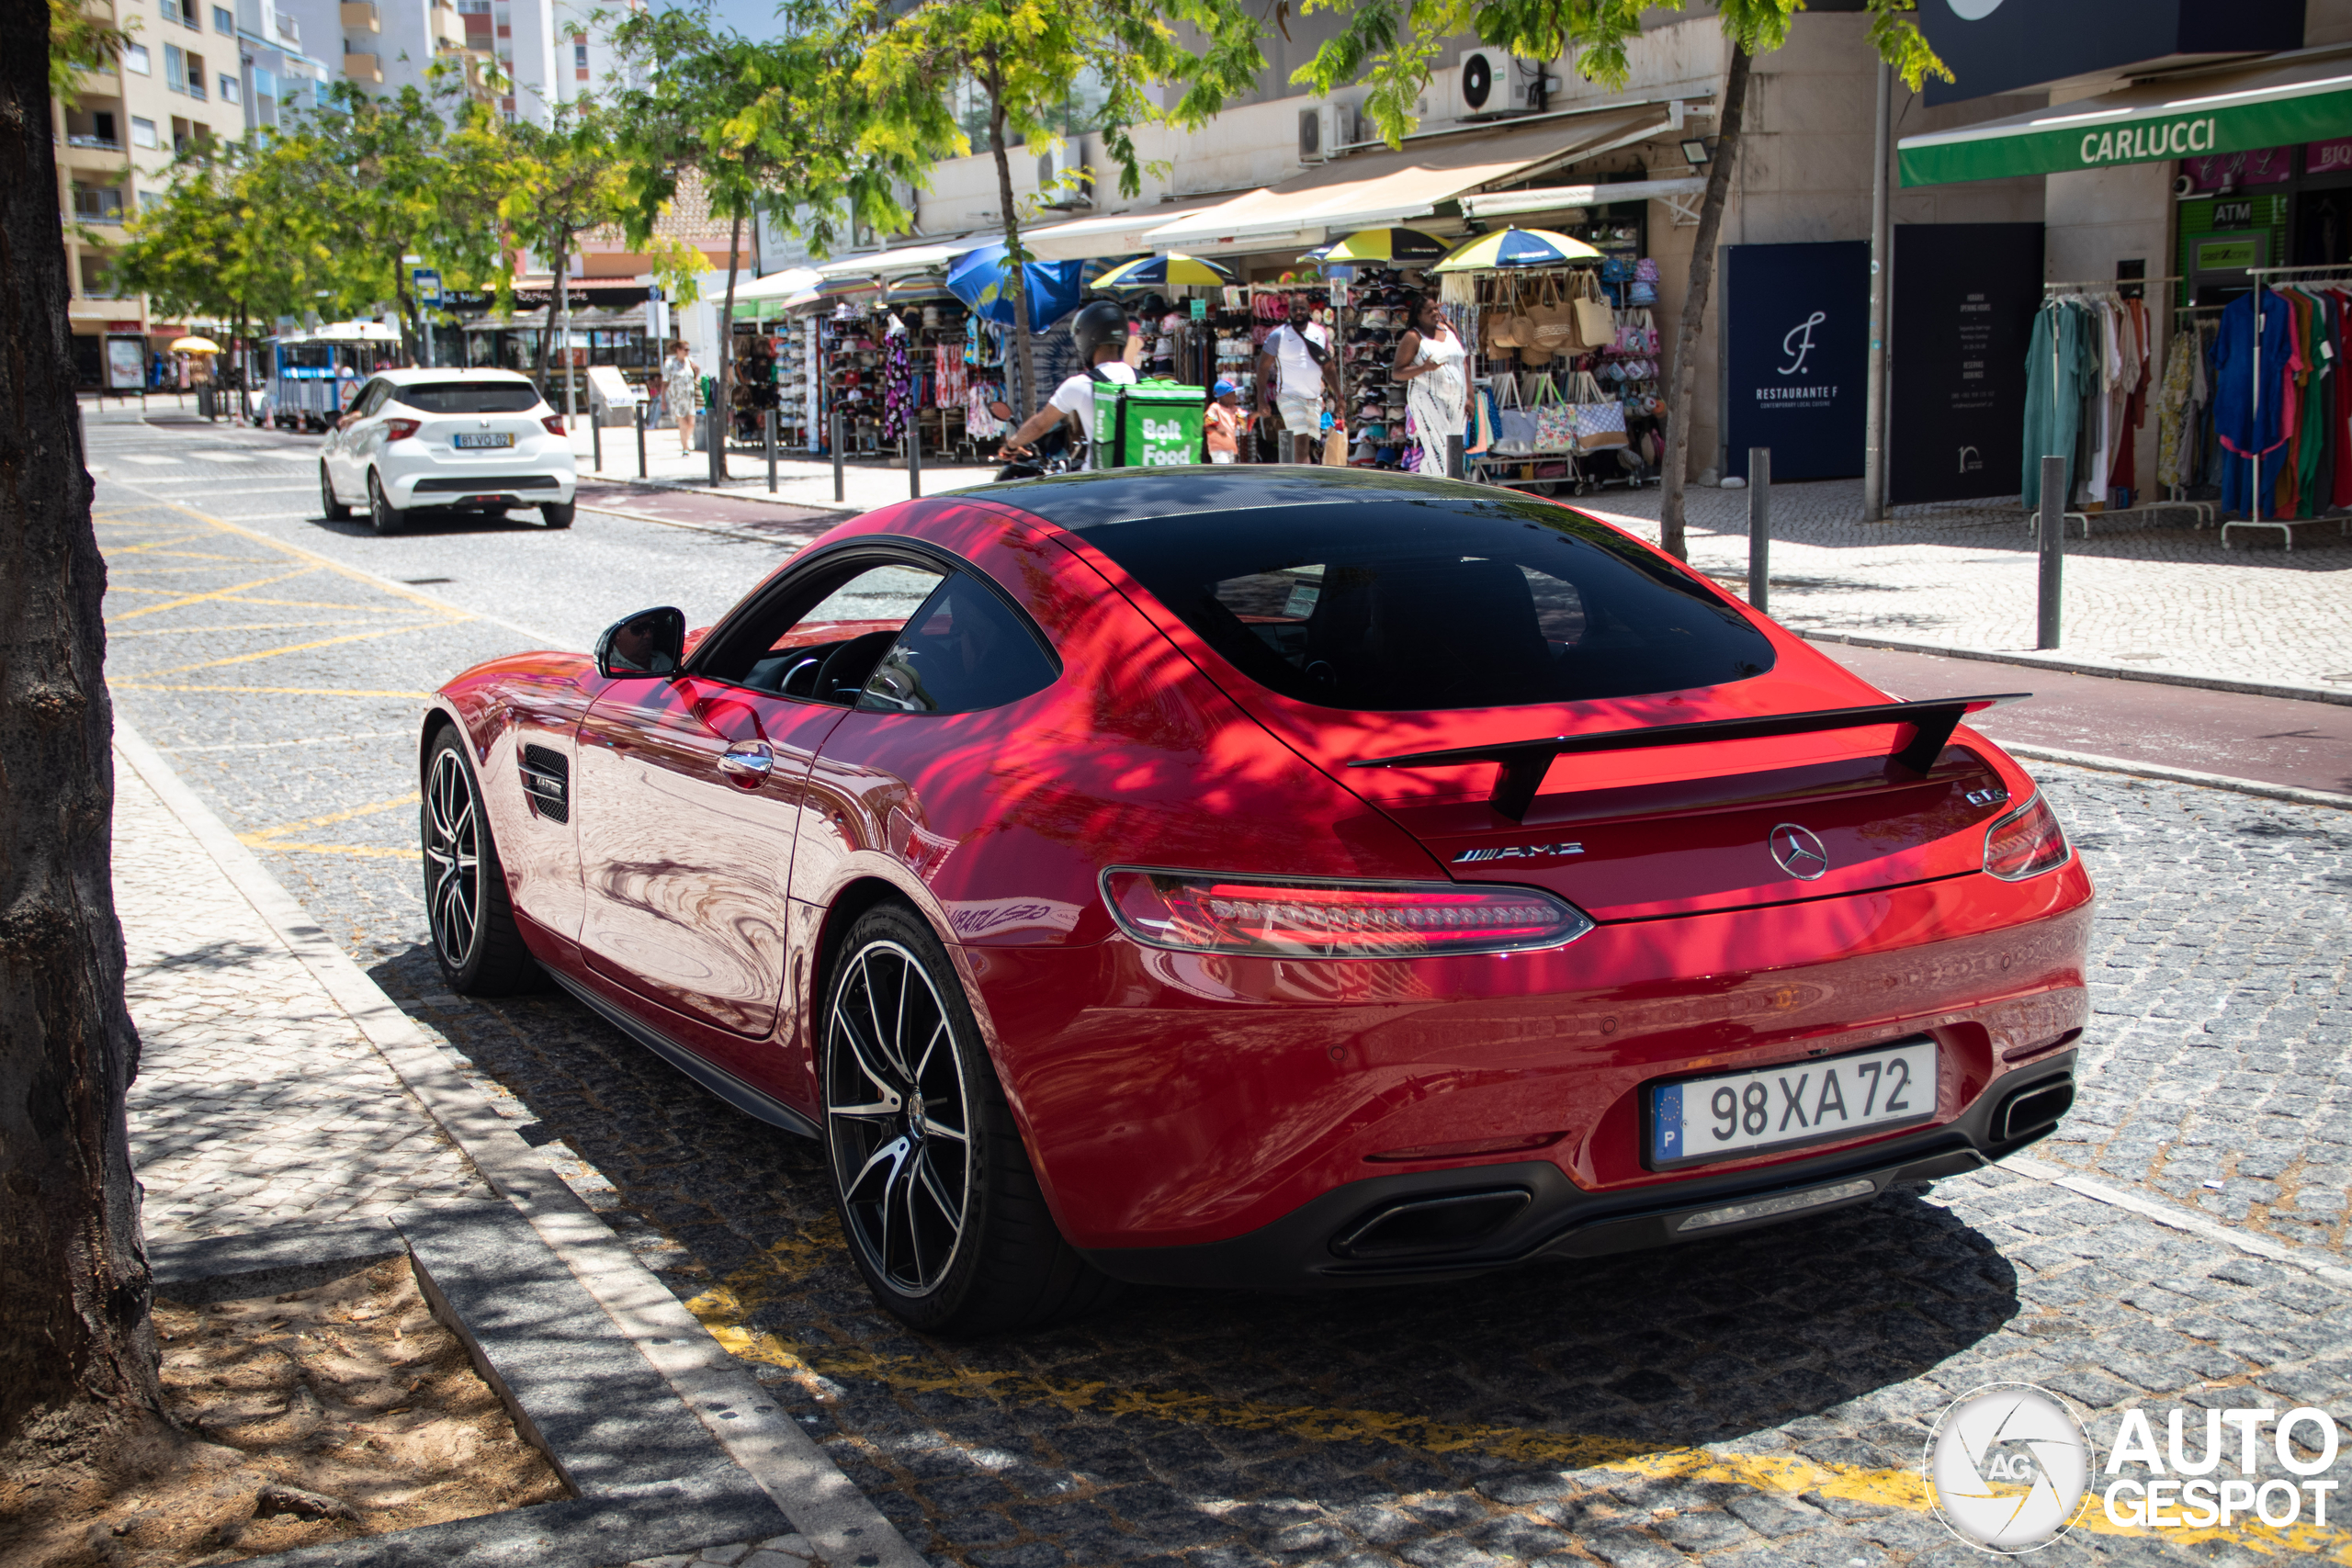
{"x":1518,"y":851}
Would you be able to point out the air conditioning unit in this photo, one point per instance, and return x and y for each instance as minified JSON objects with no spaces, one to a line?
{"x":1492,"y":82}
{"x":1324,"y":132}
{"x":1058,"y":164}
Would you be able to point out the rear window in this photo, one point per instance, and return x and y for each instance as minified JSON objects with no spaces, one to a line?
{"x":1441,"y":601}
{"x":469,"y":397}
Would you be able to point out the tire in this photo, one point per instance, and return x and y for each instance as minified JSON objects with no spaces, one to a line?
{"x":940,"y":1206}
{"x":475,"y":939}
{"x":381,"y":512}
{"x":336,"y":511}
{"x":557,"y":515}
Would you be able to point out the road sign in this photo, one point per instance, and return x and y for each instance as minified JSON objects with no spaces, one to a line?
{"x":426,"y":282}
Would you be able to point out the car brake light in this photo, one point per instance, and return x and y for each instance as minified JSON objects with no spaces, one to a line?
{"x":398,"y":429}
{"x":1207,"y":913}
{"x":2026,"y":842}
{"x":554,"y":422}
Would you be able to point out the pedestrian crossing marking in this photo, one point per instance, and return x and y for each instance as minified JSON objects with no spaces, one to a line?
{"x":149,"y":458}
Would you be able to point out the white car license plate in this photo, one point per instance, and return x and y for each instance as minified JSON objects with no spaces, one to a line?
{"x":1800,"y":1103}
{"x":470,"y":440}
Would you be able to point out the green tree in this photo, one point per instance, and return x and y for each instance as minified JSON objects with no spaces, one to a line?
{"x":363,"y":181}
{"x":774,"y":127}
{"x":565,"y":180}
{"x":1393,"y":49}
{"x":79,"y":41}
{"x":216,"y":248}
{"x":1026,"y":61}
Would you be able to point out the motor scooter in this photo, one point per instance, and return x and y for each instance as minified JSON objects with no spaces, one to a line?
{"x":1056,"y":452}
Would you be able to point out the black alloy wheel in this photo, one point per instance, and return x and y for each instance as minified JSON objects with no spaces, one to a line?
{"x":475,"y":939}
{"x":335,"y":511}
{"x":943,"y":1210}
{"x":381,"y":512}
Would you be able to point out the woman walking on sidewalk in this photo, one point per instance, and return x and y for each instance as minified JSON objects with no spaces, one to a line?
{"x":681,"y":383}
{"x":1430,"y":361}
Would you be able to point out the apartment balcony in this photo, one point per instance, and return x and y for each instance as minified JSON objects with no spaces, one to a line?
{"x":95,"y":143}
{"x":361,"y":17}
{"x":449,"y":28}
{"x":365,"y":68}
{"x":97,"y":216}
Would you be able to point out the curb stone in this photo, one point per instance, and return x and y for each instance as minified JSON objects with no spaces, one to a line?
{"x":2114,"y":668}
{"x":2180,"y":775}
{"x":840,"y":1523}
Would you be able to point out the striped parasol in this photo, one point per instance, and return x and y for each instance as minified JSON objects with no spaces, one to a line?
{"x":1387,"y":245}
{"x":1164,"y":272}
{"x":1507,"y":249}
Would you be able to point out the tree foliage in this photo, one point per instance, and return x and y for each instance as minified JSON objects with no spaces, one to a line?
{"x":1026,"y":58}
{"x":79,"y":41}
{"x":217,"y":247}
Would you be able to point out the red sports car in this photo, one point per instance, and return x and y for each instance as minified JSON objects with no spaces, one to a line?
{"x":1269,"y":878}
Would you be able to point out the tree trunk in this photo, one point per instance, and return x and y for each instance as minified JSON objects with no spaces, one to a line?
{"x":563,"y":330}
{"x":1694,"y":312}
{"x":723,"y":414}
{"x":78,"y":1353}
{"x":547,"y":338}
{"x":1019,"y":370}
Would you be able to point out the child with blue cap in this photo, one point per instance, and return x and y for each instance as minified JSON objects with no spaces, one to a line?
{"x":1224,"y":422}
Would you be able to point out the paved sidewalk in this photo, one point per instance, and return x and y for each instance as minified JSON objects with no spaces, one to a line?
{"x":2158,"y":597}
{"x":258,"y":1100}
{"x":801,"y":480}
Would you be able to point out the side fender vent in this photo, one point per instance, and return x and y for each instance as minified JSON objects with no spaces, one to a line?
{"x":547,"y":781}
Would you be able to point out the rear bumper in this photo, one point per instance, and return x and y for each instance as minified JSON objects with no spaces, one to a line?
{"x":524,"y":483}
{"x":1334,"y":1241}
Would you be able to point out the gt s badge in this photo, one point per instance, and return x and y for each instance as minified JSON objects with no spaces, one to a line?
{"x":1993,"y":796}
{"x":1518,"y":851}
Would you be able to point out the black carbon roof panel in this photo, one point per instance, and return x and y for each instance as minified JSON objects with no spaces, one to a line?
{"x":1079,"y":502}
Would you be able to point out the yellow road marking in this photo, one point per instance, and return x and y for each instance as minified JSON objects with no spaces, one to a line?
{"x":330,"y":564}
{"x":216,"y":594}
{"x":366,"y":850}
{"x":304,"y":647}
{"x":286,"y":604}
{"x":241,"y":627}
{"x":272,"y":691}
{"x":726,"y":1309}
{"x":267,"y":837}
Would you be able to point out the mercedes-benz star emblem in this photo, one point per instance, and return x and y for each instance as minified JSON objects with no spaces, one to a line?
{"x":1799,"y":852}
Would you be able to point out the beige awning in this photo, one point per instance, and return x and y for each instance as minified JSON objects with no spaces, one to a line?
{"x":931,"y":256}
{"x":1110,"y":234}
{"x":1362,"y":191}
{"x":1556,"y":198}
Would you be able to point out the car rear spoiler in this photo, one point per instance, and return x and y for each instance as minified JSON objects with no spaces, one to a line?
{"x":1524,"y":762}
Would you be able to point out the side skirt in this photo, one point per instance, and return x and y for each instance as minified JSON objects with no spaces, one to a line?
{"x":753,"y":1102}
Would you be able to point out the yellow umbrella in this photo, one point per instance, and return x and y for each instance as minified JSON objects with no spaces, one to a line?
{"x":1169,"y":271}
{"x":195,"y":346}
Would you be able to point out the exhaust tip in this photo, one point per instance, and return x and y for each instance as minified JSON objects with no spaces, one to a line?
{"x":1451,"y":1223}
{"x":2033,"y":1111}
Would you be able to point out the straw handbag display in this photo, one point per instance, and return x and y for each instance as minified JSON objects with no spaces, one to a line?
{"x":1556,"y":323}
{"x":1596,"y":321}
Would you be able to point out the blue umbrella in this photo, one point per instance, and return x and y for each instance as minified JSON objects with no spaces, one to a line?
{"x":1054,"y":289}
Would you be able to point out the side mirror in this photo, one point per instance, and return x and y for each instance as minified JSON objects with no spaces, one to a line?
{"x":650,"y":642}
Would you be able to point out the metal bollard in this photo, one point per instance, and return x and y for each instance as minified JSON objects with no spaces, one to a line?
{"x":767,"y":434}
{"x":640,"y":406}
{"x":2053,"y":551}
{"x":1457,"y":464}
{"x":914,"y":461}
{"x":1302,"y":446}
{"x":841,"y":484}
{"x":596,"y":439}
{"x":1760,"y":529}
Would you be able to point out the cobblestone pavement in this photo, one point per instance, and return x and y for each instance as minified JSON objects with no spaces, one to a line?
{"x":1762,"y":1402}
{"x":258,"y":1101}
{"x":2162,"y":596}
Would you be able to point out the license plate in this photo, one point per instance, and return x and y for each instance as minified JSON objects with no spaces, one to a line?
{"x":487,"y":438}
{"x":1730,"y":1114}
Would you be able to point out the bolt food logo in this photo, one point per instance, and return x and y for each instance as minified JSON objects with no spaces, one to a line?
{"x":2007,"y":1467}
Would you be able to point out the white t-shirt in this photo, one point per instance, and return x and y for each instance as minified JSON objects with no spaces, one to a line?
{"x":1297,"y":373}
{"x":1077,"y":395}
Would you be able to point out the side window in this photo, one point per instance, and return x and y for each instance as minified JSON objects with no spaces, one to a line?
{"x":371,"y":398}
{"x":826,"y":651}
{"x":964,"y":650}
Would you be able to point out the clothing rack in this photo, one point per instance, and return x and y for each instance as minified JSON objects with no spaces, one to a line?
{"x":2261,"y":275}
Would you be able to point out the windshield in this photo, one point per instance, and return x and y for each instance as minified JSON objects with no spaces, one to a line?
{"x":1436,"y":602}
{"x":469,"y":397}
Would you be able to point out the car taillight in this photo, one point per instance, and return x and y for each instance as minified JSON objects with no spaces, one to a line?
{"x":398,"y":429}
{"x":554,"y":422}
{"x":2026,"y":842}
{"x":1207,"y":913}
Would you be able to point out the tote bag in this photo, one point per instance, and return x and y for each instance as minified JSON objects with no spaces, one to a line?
{"x":1556,"y":422}
{"x":1514,"y":425}
{"x":1556,"y":323}
{"x":1596,"y":321}
{"x":1599,"y":425}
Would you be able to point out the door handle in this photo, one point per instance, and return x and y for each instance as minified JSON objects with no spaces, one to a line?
{"x":747,"y":762}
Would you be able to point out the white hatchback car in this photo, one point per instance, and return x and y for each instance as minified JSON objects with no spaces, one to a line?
{"x":481,"y":440}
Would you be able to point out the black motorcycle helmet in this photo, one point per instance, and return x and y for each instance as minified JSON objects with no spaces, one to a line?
{"x":1103,"y":322}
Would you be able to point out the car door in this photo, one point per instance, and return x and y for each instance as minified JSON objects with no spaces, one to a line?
{"x":344,"y":452}
{"x":690,"y":790}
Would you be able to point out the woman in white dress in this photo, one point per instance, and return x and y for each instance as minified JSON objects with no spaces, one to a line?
{"x":1433,"y":364}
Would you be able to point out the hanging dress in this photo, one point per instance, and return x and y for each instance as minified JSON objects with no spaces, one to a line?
{"x":2248,"y":434}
